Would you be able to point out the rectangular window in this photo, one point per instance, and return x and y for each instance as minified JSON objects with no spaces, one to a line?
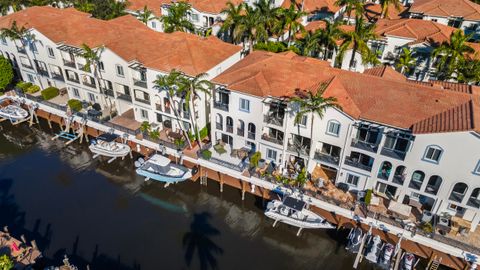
{"x":271,"y":154}
{"x":120,"y":71}
{"x":244,"y":105}
{"x":352,"y":179}
{"x":101,"y":66}
{"x":433,"y":154}
{"x":303,"y":121}
{"x":195,"y":17}
{"x":50,"y":52}
{"x":91,"y":97}
{"x":154,"y":25}
{"x":30,"y":78}
{"x":333,"y":128}
{"x":33,"y":47}
{"x":477,"y":168}
{"x":76,"y":93}
{"x":144,"y":114}
{"x":460,"y":210}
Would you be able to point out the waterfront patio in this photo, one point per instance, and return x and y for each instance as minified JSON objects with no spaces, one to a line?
{"x":126,"y":120}
{"x":224,"y":155}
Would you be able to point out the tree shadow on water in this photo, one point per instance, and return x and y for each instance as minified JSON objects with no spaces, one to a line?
{"x":198,"y":240}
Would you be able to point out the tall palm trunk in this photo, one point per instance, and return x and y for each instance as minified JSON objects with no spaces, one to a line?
{"x":193,"y":119}
{"x":311,"y":138}
{"x":325,"y":51}
{"x":175,"y":112}
{"x":352,"y":59}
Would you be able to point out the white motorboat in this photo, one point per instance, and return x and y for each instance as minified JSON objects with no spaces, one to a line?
{"x":408,"y":262}
{"x":354,"y":240}
{"x":386,"y":255}
{"x":373,"y":248}
{"x":105,"y":145}
{"x":10,"y":111}
{"x":293,"y":212}
{"x":161,"y":168}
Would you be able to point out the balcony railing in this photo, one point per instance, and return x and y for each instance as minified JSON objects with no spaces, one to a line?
{"x":399,"y":179}
{"x":299,"y":148}
{"x":144,"y":101}
{"x":355,"y":163}
{"x":267,"y":138}
{"x":251,"y":135}
{"x":383,"y":175}
{"x":125,"y":97}
{"x":21,"y":50}
{"x":456,"y":197}
{"x":69,"y":63}
{"x":431,"y":189}
{"x":229,"y":129}
{"x":58,"y":77}
{"x":220,"y":106}
{"x":240,"y":132}
{"x":473,"y":202}
{"x":371,"y":147}
{"x":393,"y":153}
{"x":108,"y":92}
{"x":326,"y":158}
{"x":90,"y":84}
{"x":415,"y":185}
{"x":274,"y":120}
{"x":75,"y":80}
{"x":140,"y":83}
{"x":219,"y":126}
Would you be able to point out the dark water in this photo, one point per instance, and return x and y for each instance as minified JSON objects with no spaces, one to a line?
{"x":103,"y":216}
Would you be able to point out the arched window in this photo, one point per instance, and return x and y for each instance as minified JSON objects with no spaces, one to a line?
{"x":385,"y":170}
{"x":219,"y":121}
{"x":229,"y":124}
{"x":399,"y":176}
{"x":251,"y":131}
{"x":458,"y":192}
{"x":417,"y":180}
{"x":241,"y":128}
{"x":474,"y":199}
{"x":433,"y":184}
{"x":433,"y":153}
{"x":333,"y":127}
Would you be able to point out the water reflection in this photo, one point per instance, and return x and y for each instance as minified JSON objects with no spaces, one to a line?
{"x":199,"y":241}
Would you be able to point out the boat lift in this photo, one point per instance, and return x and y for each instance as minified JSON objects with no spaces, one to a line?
{"x":79,"y":133}
{"x":359,"y":257}
{"x":31,"y":110}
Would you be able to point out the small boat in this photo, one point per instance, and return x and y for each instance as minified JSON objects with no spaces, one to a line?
{"x":354,"y":240}
{"x":10,"y":111}
{"x":161,"y":169}
{"x":293,"y":212}
{"x":373,"y":248}
{"x":105,"y":145}
{"x":408,"y":262}
{"x":386,"y":256}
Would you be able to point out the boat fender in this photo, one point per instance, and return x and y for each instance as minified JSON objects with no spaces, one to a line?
{"x":194,"y":170}
{"x":141,"y":160}
{"x":137,"y":164}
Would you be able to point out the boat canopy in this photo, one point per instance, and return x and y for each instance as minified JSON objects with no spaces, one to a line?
{"x":293,"y":203}
{"x":159,"y":160}
{"x":108,"y":137}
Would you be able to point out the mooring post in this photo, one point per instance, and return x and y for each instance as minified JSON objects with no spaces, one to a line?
{"x":221,"y":182}
{"x":243,"y":190}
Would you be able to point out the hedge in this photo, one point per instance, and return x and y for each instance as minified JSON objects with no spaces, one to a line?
{"x":33,"y":89}
{"x":368,"y":197}
{"x":75,"y":105}
{"x":206,"y":154}
{"x":24,"y":85}
{"x":6,"y":72}
{"x":50,"y":93}
{"x":204,"y":132}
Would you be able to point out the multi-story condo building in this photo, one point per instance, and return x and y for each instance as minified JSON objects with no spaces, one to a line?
{"x":463,"y":14}
{"x":411,"y":142}
{"x":132,"y":56}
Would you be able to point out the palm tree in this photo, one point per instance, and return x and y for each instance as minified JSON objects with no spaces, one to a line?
{"x":310,"y":103}
{"x":289,"y":19}
{"x":358,"y":41}
{"x":117,"y":9}
{"x":329,"y":37}
{"x":26,"y":38}
{"x":249,"y":29}
{"x":192,"y":89}
{"x":469,"y":71}
{"x":176,"y":18}
{"x":267,"y":14}
{"x":386,"y":3}
{"x":84,"y":6}
{"x":146,"y":15}
{"x":451,"y":53}
{"x":309,"y":44}
{"x":233,"y":16}
{"x":351,"y":5}
{"x":171,"y":85}
{"x":405,"y":61}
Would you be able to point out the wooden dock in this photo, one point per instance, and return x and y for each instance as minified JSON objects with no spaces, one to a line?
{"x":22,"y":254}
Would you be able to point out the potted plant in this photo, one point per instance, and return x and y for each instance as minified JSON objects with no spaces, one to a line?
{"x":254,"y":159}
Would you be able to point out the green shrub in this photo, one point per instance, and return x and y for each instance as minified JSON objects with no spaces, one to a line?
{"x":6,"y":72}
{"x":24,"y":85}
{"x":204,"y":132}
{"x":75,"y":105}
{"x":427,"y":227}
{"x":255,"y":158}
{"x":368,"y":197}
{"x":33,"y":89}
{"x":206,"y":154}
{"x":50,"y":93}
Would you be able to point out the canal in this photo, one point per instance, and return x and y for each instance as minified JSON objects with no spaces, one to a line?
{"x":104,"y":216}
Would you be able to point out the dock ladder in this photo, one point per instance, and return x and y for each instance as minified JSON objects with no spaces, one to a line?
{"x":434,"y":263}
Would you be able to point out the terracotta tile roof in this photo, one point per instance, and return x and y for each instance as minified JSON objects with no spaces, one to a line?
{"x":415,"y":29}
{"x":385,"y":72}
{"x":128,"y":38}
{"x":373,"y":11}
{"x":311,"y":6}
{"x":452,"y":86}
{"x":206,"y":6}
{"x":383,"y":99}
{"x":446,"y":8}
{"x":154,"y":5}
{"x":476,"y":47}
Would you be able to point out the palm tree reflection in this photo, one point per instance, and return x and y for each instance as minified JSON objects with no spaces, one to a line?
{"x":198,"y":239}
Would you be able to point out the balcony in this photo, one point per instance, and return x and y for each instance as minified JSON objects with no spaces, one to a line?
{"x":58,"y":77}
{"x":371,"y":147}
{"x":415,"y":185}
{"x":42,"y":72}
{"x":140,"y":83}
{"x":399,"y":179}
{"x":456,"y":197}
{"x":27,"y":66}
{"x":473,"y":202}
{"x":69,"y":63}
{"x":108,"y":92}
{"x":355,"y":163}
{"x":144,"y":101}
{"x":396,"y":154}
{"x":229,"y":128}
{"x":21,"y":50}
{"x":240,"y":132}
{"x":91,"y":84}
{"x":267,"y":138}
{"x":251,"y":135}
{"x":219,"y":126}
{"x":75,"y":80}
{"x":125,"y":97}
{"x":322,"y":157}
{"x":220,"y":106}
{"x":274,"y":120}
{"x":299,"y":148}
